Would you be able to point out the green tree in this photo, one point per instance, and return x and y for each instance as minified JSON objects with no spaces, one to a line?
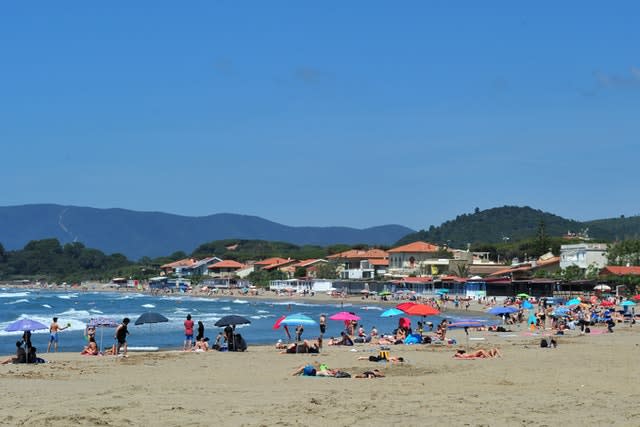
{"x":300,"y":272}
{"x":327,"y":270}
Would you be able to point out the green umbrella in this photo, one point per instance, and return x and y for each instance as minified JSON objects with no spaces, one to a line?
{"x":523,"y":295}
{"x":384,"y":293}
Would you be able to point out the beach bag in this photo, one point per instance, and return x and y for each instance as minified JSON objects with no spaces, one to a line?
{"x":342,"y":374}
{"x":544,"y":343}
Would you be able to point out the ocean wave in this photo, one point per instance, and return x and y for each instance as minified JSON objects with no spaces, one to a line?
{"x":46,"y":305}
{"x":226,"y":308}
{"x":148,"y":306}
{"x":67,"y":296}
{"x":300,"y":304}
{"x":263,"y":311}
{"x":240,"y":301}
{"x":371,"y":307}
{"x":14,"y":294}
{"x":93,"y":310}
{"x":75,"y":314}
{"x":18,"y":301}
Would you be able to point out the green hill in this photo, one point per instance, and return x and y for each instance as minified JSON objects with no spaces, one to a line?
{"x":512,"y":223}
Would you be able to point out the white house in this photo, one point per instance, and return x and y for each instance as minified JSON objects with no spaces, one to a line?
{"x":583,"y":255}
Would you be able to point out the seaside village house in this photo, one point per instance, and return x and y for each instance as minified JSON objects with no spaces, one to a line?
{"x":226,"y":268}
{"x":189,"y":266}
{"x":419,"y":258}
{"x":357,"y":264}
{"x":583,"y":255}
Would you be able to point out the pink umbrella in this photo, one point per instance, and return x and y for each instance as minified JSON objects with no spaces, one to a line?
{"x":344,"y":315}
{"x":286,"y":328}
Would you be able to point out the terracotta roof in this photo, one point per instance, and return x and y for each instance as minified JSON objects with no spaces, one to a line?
{"x":308,"y":262}
{"x":416,"y":247}
{"x":378,"y":261}
{"x":226,"y":264}
{"x":361,"y":254}
{"x":553,"y":260}
{"x":621,"y":271}
{"x":284,"y":263}
{"x":187,"y":262}
{"x":269,"y":261}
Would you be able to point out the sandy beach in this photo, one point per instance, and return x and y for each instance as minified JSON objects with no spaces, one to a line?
{"x":587,"y":380}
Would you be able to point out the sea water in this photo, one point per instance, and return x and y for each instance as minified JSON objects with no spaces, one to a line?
{"x":77,"y":308}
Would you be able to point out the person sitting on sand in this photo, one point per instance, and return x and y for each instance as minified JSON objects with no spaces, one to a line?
{"x":202,"y":345}
{"x":478,"y":354}
{"x":21,"y":355}
{"x":343,"y":340}
{"x":90,"y":349}
{"x":370,"y":374}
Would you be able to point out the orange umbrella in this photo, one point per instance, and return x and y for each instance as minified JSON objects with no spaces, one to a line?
{"x":421,"y":310}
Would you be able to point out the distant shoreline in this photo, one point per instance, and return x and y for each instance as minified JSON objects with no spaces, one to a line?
{"x":319,"y":298}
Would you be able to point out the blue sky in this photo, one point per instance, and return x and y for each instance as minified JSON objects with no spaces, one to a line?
{"x":356,"y":114}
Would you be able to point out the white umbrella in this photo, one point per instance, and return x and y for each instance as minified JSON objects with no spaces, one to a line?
{"x":602,"y":288}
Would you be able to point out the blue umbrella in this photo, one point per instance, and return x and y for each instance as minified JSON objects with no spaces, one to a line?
{"x":150,"y":317}
{"x":298,"y":319}
{"x":527,"y":305}
{"x":498,"y":311}
{"x":25,"y":325}
{"x":574,"y":301}
{"x":102,"y":322}
{"x":391,"y":312}
{"x":628,"y":304}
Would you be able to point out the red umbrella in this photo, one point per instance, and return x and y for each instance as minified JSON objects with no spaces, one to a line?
{"x":404,"y":305}
{"x":277,"y":324}
{"x":636,"y":297}
{"x":345,"y":316}
{"x":421,"y":310}
{"x":607,"y":304}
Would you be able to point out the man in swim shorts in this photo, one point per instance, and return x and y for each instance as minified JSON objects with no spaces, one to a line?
{"x":54,"y":328}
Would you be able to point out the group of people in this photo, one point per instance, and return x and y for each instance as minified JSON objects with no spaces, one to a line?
{"x":24,"y":354}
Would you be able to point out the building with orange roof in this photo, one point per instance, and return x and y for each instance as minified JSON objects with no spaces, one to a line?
{"x":225,"y":268}
{"x":416,"y":258}
{"x":358,"y":264}
{"x":615,"y":270}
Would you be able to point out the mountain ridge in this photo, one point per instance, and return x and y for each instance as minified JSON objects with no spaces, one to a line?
{"x":137,"y":234}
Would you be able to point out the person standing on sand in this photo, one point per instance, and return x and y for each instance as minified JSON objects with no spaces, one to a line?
{"x":188,"y":333}
{"x":200,"y":335}
{"x":54,"y":328}
{"x":323,"y":324}
{"x":121,"y":337}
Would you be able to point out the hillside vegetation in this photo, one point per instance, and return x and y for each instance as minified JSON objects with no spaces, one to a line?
{"x":514,"y":223}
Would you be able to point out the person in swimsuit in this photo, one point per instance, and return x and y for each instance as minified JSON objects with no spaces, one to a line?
{"x":479,"y":354}
{"x":121,"y":337}
{"x":370,"y":374}
{"x":54,"y":328}
{"x":21,"y":355}
{"x":200,"y":335}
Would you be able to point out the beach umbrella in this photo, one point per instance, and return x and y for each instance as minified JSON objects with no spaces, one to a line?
{"x":391,"y":312}
{"x":402,"y":306}
{"x":384,"y":293}
{"x":499,"y":311}
{"x":602,"y":288}
{"x":607,"y":304}
{"x":527,"y":305}
{"x":232,"y":320}
{"x":574,"y":301}
{"x":102,"y":322}
{"x":276,"y":325}
{"x":150,"y":317}
{"x":560,"y":312}
{"x":523,"y":295}
{"x":298,"y":319}
{"x":25,"y":325}
{"x":636,"y":297}
{"x":345,"y":316}
{"x":466,"y":324}
{"x":442,"y":291}
{"x":421,"y":310}
{"x":628,"y":304}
